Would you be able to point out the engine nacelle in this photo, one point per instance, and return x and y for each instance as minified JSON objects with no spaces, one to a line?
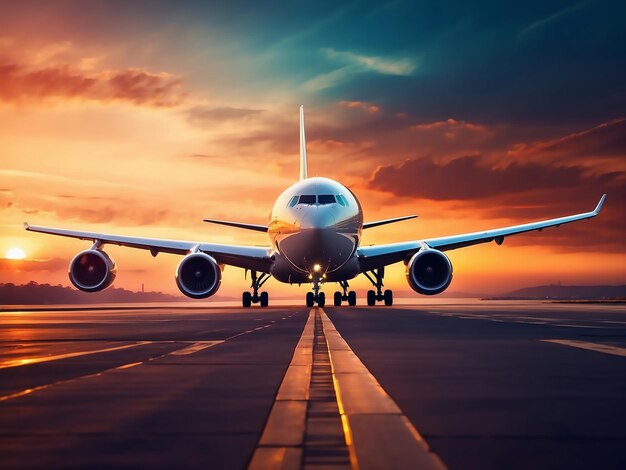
{"x":198,"y":276}
{"x":429,"y":272}
{"x":92,"y":270}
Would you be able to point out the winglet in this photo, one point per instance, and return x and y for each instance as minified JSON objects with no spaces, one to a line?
{"x":26,"y":226}
{"x":303,"y":165}
{"x":599,"y":206}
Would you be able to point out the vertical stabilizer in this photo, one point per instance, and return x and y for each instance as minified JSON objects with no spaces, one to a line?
{"x":303,"y":166}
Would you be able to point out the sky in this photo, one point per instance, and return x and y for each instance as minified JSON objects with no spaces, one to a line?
{"x":142,"y":118}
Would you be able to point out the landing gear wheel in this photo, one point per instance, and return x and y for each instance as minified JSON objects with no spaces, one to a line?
{"x":321,"y":299}
{"x":371,"y":298}
{"x":337,"y":299}
{"x":249,"y":298}
{"x":246,"y":299}
{"x":351,"y":298}
{"x":388,"y":298}
{"x":310,"y":299}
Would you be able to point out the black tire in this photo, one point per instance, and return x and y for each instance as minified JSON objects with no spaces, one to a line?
{"x":246,"y":299}
{"x":352,"y":298}
{"x":337,"y":299}
{"x":264,"y":299}
{"x":388,"y":298}
{"x":321,"y":299}
{"x":310,"y":300}
{"x":371,"y":298}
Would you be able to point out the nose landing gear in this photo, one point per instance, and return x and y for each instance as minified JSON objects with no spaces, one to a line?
{"x":247,"y":298}
{"x":378,"y":295}
{"x":350,"y":297}
{"x":316,"y":296}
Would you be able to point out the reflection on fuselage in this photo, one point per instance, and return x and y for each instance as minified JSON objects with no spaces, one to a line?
{"x":315,"y":228}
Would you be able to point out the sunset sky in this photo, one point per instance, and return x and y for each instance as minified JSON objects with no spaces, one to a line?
{"x":142,"y":118}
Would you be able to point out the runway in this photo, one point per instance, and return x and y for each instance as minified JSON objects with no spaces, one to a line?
{"x":432,"y":385}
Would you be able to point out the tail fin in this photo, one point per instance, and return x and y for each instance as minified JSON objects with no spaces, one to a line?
{"x":303,"y":165}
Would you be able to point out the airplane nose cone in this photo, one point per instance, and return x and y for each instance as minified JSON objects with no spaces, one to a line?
{"x":318,"y":218}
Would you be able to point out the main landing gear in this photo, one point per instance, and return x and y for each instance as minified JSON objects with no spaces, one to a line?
{"x":350,"y":297}
{"x":379,"y":295}
{"x":316,"y":296}
{"x":248,"y":298}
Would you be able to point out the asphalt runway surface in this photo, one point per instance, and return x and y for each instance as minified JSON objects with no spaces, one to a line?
{"x":462,"y":385}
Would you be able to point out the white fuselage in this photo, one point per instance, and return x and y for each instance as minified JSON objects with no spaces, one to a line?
{"x":315,"y":229}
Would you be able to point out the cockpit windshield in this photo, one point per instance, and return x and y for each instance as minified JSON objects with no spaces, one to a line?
{"x":312,"y":199}
{"x":307,"y":199}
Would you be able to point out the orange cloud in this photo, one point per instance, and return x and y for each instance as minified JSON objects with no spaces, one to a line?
{"x":202,"y":115}
{"x":19,"y":83}
{"x":30,"y":265}
{"x":450,"y":124}
{"x":363,"y":105}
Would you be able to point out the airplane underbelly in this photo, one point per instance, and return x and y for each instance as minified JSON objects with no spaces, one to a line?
{"x":327,"y":248}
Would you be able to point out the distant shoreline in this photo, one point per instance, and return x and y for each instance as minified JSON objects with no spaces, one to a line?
{"x":560,"y":301}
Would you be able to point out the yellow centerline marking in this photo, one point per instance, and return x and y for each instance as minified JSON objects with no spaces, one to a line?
{"x":597,"y":347}
{"x":376,"y":431}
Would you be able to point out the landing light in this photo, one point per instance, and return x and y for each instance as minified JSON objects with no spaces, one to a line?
{"x":316,"y":268}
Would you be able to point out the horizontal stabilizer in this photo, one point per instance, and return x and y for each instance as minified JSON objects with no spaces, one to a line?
{"x":387,"y":221}
{"x":257,"y":228}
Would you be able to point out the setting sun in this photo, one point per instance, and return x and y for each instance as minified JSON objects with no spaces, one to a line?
{"x":15,"y":253}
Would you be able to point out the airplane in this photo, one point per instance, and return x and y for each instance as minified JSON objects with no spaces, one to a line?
{"x":315,"y":230}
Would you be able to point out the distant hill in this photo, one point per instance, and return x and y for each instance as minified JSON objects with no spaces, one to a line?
{"x":453,"y":295}
{"x":46,"y":294}
{"x":558,"y":292}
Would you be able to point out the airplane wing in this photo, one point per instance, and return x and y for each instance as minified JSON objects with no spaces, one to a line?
{"x":387,"y":221}
{"x":257,"y":258}
{"x":257,"y":228}
{"x":375,"y":256}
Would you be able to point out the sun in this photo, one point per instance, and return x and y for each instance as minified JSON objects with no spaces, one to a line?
{"x":15,"y":253}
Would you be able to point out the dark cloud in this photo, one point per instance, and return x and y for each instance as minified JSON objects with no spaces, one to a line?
{"x":605,"y":140}
{"x":204,"y":114}
{"x":22,"y":84}
{"x":521,"y":193}
{"x":604,"y":233}
{"x":467,"y":178}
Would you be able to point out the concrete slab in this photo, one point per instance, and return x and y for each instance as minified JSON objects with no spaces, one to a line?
{"x":285,"y":425}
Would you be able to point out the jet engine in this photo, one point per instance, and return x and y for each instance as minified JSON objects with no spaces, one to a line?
{"x":429,"y":272}
{"x":198,"y":276}
{"x":92,"y":270}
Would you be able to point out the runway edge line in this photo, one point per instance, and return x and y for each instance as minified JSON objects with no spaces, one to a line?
{"x":378,"y":434}
{"x":281,"y":444}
